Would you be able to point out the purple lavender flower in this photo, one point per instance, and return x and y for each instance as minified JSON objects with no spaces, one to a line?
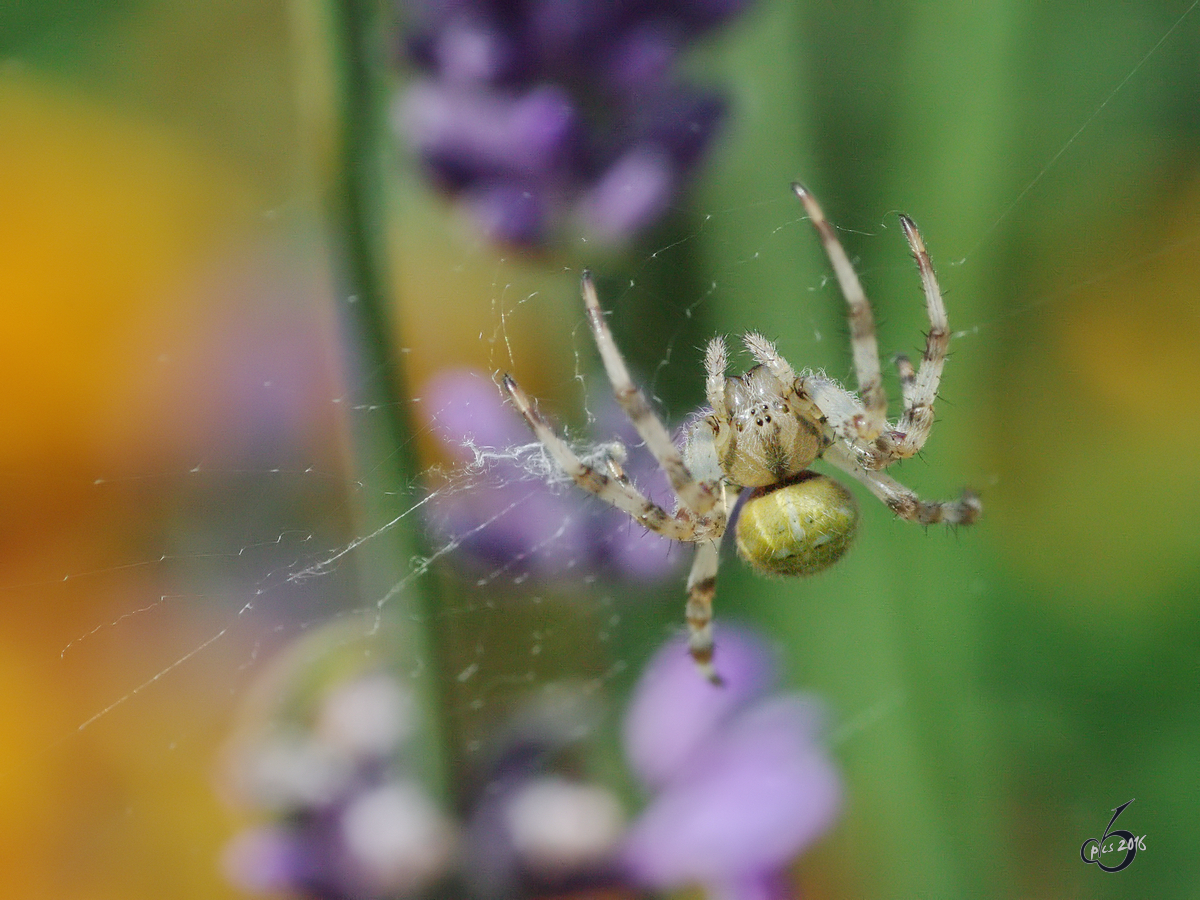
{"x":347,"y":821}
{"x":550,"y":114}
{"x":507,"y":518}
{"x":741,"y":782}
{"x":536,"y":825}
{"x":542,"y":834}
{"x":739,"y":786}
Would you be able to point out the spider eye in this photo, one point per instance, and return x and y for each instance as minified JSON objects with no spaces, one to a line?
{"x":797,"y":527}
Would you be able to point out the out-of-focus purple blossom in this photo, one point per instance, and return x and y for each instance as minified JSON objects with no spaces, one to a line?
{"x":347,"y":819}
{"x":507,"y":518}
{"x":673,"y":713}
{"x":561,"y":826}
{"x":738,"y":779}
{"x":546,"y":105}
{"x":271,"y":859}
{"x":741,"y":781}
{"x":630,"y":195}
{"x":539,"y":833}
{"x":536,"y":825}
{"x":470,"y":138}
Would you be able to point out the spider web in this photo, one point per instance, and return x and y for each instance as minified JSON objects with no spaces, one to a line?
{"x":284,"y":511}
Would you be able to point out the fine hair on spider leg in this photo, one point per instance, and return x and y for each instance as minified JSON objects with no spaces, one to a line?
{"x":761,"y":432}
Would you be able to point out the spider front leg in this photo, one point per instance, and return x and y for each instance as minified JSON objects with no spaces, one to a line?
{"x":872,"y":419}
{"x":698,"y":497}
{"x":919,"y":387}
{"x":617,"y":490}
{"x":612,"y":489}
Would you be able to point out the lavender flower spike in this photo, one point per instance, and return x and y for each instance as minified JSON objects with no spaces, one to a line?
{"x":742,"y":783}
{"x":347,"y":817}
{"x":548,"y":115}
{"x":502,"y":513}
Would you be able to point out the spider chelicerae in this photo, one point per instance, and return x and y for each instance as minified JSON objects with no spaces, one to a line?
{"x":761,"y":432}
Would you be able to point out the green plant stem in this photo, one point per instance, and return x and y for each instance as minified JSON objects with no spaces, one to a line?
{"x":382,"y":440}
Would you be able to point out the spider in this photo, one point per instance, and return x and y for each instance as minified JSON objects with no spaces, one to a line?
{"x":760,"y":433}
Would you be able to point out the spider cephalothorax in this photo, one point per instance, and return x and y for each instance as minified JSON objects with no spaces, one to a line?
{"x":761,"y":431}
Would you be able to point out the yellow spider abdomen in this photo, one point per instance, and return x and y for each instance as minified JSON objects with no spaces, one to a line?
{"x":797,"y":527}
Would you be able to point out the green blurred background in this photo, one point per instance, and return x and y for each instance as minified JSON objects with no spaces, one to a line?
{"x":175,"y":442}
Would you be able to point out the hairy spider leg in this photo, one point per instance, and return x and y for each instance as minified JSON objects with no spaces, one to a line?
{"x":919,"y":389}
{"x":863,"y":344}
{"x":701,"y":589}
{"x":616,"y":491}
{"x":696,"y":496}
{"x":901,"y":500}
